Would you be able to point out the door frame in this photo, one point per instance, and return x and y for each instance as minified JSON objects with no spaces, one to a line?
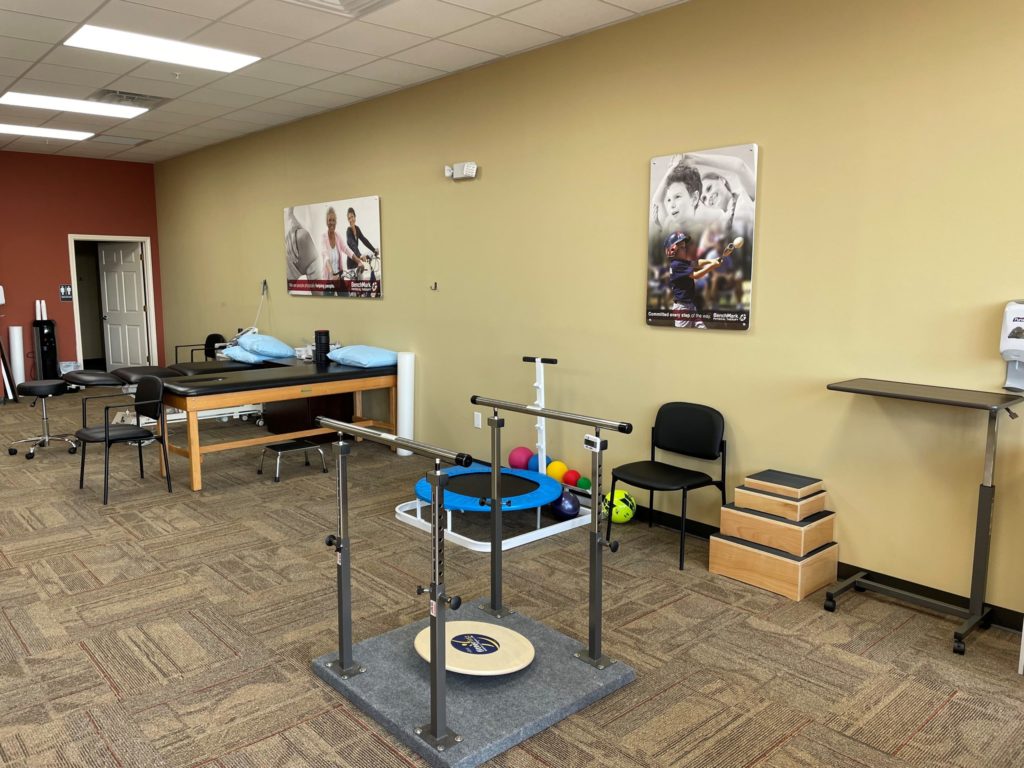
{"x":147,"y":265}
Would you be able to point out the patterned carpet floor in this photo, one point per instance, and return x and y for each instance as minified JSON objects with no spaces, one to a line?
{"x":178,"y":629}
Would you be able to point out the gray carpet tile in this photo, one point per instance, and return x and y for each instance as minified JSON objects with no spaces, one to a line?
{"x":173,"y":630}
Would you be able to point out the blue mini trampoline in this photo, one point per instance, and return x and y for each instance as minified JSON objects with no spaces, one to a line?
{"x":469,"y":489}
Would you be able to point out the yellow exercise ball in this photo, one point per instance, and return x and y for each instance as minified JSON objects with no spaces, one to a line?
{"x":557,"y":470}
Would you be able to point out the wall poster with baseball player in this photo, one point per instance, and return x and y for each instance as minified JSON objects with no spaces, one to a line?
{"x":701,"y":239}
{"x":333,"y":249}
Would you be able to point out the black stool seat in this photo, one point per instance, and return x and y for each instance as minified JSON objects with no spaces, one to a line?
{"x":132,"y":375}
{"x":92,"y":379}
{"x":43,"y":387}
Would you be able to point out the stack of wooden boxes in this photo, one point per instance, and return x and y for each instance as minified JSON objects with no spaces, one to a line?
{"x":777,"y":535}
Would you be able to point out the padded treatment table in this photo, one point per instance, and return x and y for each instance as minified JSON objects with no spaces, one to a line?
{"x":977,"y":612}
{"x":92,"y":379}
{"x":294,"y":380}
{"x":202,"y":367}
{"x":133,"y":374}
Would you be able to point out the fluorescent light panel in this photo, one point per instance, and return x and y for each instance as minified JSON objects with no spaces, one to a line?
{"x":69,"y":105}
{"x":158,"y":49}
{"x":45,"y":133}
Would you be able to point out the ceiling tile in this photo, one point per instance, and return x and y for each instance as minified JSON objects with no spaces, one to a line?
{"x":423,"y":17}
{"x":25,"y":115}
{"x":160,"y":119}
{"x":252,"y":86}
{"x":150,"y":87}
{"x":282,"y":72}
{"x":147,"y":21}
{"x":290,"y":108}
{"x":369,"y":38}
{"x":91,"y":149}
{"x":230,"y":101}
{"x":55,"y":74}
{"x":5,"y":82}
{"x":37,"y":145}
{"x":64,"y":90}
{"x":255,"y":117}
{"x":568,"y":17}
{"x":27,"y":50}
{"x":315,"y":98}
{"x":324,"y":57}
{"x":441,"y":55}
{"x":71,"y":121}
{"x":68,"y":10}
{"x":66,"y":56}
{"x":284,"y":18}
{"x":13,"y":67}
{"x":501,"y":37}
{"x":175,"y":73}
{"x":209,"y":9}
{"x":231,"y":37}
{"x":355,"y":86}
{"x":211,"y":134}
{"x":643,"y":6}
{"x":240,"y":126}
{"x":196,"y":109}
{"x":146,"y":154}
{"x":34,"y":27}
{"x":397,"y":72}
{"x":142,"y":133}
{"x":494,"y":7}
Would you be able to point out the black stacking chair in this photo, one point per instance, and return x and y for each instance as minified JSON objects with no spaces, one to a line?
{"x":149,"y":403}
{"x":689,"y":429}
{"x":209,"y":347}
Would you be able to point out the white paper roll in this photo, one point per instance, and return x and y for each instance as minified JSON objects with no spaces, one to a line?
{"x":406,"y":390}
{"x":39,"y":309}
{"x":42,"y":303}
{"x":17,"y":353}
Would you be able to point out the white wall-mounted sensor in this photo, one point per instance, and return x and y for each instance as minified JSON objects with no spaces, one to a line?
{"x":460,"y":171}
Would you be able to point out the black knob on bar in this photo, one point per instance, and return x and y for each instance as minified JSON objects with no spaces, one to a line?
{"x":331,"y":540}
{"x":454,"y":601}
{"x":420,"y":589}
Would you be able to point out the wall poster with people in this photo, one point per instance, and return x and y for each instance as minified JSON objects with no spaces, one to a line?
{"x":701,"y":239}
{"x":333,"y":249}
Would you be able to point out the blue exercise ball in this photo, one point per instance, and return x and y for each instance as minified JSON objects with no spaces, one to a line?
{"x":566,"y":506}
{"x":532,"y":463}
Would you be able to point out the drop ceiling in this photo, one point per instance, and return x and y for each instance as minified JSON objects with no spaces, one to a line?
{"x":313,"y":60}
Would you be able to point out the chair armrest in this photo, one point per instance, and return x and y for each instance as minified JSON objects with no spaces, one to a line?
{"x":85,"y":404}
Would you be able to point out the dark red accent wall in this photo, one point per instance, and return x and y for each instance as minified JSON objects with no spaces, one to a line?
{"x":43,"y":199}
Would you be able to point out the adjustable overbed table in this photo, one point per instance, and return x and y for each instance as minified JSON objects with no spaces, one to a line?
{"x":297,"y":380}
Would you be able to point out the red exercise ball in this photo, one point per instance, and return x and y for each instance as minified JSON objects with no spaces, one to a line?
{"x":571,"y":477}
{"x":519,"y":457}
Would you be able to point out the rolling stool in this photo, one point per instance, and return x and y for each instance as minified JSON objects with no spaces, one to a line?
{"x":292,"y":445}
{"x":40,"y":390}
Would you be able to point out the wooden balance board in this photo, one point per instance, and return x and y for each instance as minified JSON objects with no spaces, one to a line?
{"x":479,"y":648}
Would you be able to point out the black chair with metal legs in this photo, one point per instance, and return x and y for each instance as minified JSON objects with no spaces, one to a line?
{"x":149,"y":403}
{"x":41,"y":389}
{"x":210,"y":347}
{"x":689,"y":429}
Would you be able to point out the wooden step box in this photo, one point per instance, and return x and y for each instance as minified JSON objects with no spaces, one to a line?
{"x":772,"y":569}
{"x":794,"y":537}
{"x":779,"y":505}
{"x":784,"y":483}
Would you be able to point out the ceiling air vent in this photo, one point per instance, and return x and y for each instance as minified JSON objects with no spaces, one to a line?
{"x":350,"y":9}
{"x":127,"y":99}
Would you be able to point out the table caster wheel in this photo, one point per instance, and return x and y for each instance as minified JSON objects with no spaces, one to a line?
{"x":29,"y":455}
{"x":12,"y":451}
{"x":959,"y":648}
{"x":73,"y":449}
{"x":830,"y":605}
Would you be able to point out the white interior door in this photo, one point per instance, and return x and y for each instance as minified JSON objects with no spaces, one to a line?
{"x":123,"y":292}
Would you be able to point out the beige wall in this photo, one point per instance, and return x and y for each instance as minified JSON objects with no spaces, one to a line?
{"x":888,"y":183}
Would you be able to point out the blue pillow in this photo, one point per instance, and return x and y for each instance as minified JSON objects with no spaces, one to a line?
{"x":267,"y":346}
{"x":243,"y":355}
{"x":363,"y":356}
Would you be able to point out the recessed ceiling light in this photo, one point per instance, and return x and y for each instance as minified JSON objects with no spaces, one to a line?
{"x":69,"y":105}
{"x":45,"y":133}
{"x":158,"y":49}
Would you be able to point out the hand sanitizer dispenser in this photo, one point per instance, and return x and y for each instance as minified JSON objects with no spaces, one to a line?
{"x":1011,"y":345}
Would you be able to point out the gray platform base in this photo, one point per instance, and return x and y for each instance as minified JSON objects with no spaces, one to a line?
{"x":491,"y":714}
